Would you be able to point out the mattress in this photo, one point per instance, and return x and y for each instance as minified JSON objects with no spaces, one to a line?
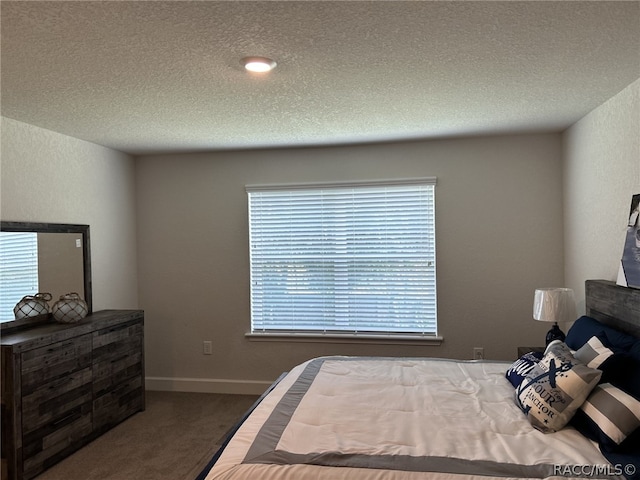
{"x":365,"y":418}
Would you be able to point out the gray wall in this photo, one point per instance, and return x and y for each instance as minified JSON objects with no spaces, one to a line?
{"x":49,"y":177}
{"x":602,"y":172}
{"x":499,"y":235}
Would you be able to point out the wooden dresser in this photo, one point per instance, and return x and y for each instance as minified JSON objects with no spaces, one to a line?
{"x":63,"y":385}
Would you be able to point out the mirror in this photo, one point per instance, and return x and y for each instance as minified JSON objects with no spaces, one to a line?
{"x":59,"y":262}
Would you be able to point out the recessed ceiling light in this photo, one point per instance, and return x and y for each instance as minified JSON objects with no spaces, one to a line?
{"x":258,"y":64}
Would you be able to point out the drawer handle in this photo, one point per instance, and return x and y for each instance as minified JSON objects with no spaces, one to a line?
{"x":60,"y":383}
{"x":121,"y":357}
{"x":63,"y":419}
{"x":121,"y":389}
{"x":119,"y":327}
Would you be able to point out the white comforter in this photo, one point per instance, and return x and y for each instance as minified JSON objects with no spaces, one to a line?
{"x":399,"y":419}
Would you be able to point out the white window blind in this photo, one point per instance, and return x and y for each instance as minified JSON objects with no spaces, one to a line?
{"x":18,"y":270}
{"x":343,"y":258}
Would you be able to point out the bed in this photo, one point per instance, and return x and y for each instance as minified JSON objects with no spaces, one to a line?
{"x":370,"y":418}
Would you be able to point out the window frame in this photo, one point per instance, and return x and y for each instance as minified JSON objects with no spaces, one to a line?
{"x":418,"y":338}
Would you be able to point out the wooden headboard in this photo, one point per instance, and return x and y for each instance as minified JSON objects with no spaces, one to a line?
{"x":613,"y":305}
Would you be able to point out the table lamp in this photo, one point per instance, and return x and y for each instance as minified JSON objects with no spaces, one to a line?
{"x":554,"y":305}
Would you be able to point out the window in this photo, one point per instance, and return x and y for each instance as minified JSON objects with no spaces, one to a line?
{"x":18,"y":270}
{"x":343,"y":259}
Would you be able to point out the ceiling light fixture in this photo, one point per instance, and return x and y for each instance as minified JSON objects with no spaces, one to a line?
{"x":258,"y":64}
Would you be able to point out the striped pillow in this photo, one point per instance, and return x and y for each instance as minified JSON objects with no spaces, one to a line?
{"x":612,"y":414}
{"x":595,"y":351}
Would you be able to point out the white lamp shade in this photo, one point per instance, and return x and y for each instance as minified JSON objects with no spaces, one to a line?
{"x":554,"y":305}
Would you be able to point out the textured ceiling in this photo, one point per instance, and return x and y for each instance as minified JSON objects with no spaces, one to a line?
{"x":155,"y":76}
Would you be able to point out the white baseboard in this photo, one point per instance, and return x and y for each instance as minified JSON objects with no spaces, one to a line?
{"x":206,"y":385}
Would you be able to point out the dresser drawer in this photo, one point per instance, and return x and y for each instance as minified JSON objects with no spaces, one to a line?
{"x":123,"y":401}
{"x":45,"y":364}
{"x":112,"y":373}
{"x":115,"y":341}
{"x":117,"y":356}
{"x":54,"y":400}
{"x":48,"y":444}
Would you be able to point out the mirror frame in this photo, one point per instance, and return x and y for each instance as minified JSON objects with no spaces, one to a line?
{"x":86,"y":261}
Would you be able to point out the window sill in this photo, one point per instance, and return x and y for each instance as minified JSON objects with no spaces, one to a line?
{"x":346,"y":338}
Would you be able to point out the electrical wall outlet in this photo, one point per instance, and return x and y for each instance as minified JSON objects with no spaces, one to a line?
{"x":478,"y":353}
{"x":207,"y":347}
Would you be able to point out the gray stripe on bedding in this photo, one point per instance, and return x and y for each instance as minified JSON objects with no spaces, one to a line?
{"x":409,"y":464}
{"x":269,"y":435}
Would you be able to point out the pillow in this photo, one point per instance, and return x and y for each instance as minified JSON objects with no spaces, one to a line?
{"x":519,"y":369}
{"x":555,"y":388}
{"x":631,"y":445}
{"x":595,"y":351}
{"x":586,"y":327}
{"x":608,"y":416}
{"x":622,"y":370}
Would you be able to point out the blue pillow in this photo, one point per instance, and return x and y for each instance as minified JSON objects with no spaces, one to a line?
{"x":623,"y":371}
{"x":629,"y":461}
{"x":518,"y":371}
{"x":586,"y":327}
